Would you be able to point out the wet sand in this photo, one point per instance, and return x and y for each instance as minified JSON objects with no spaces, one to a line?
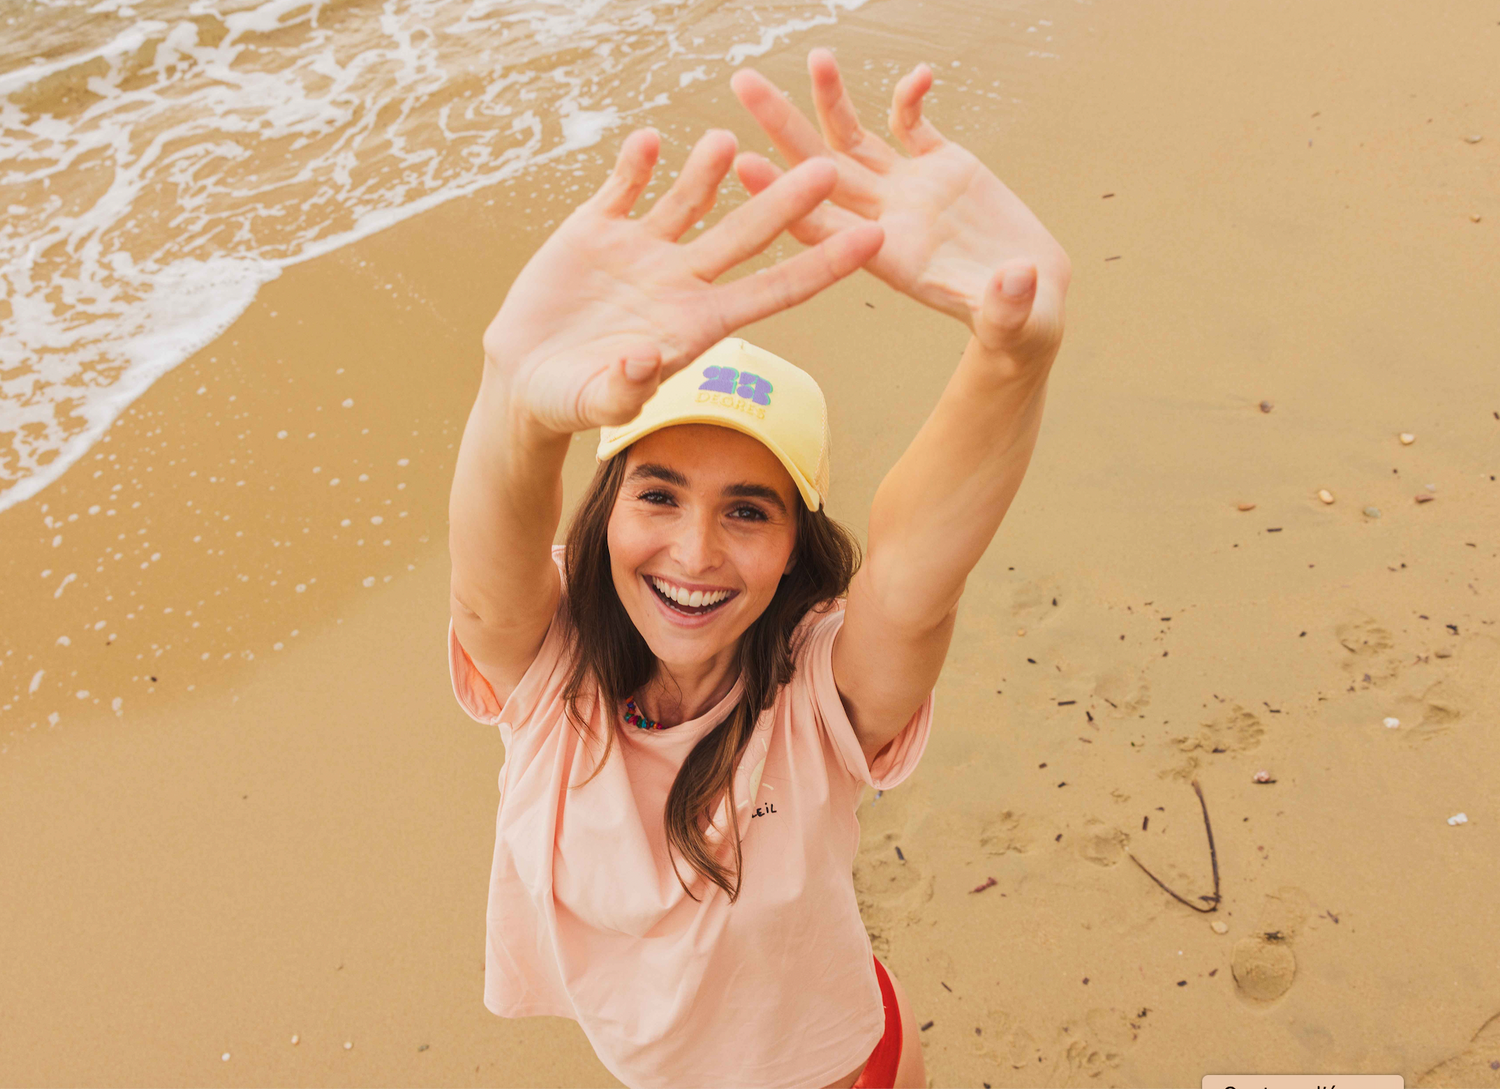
{"x":284,"y":826}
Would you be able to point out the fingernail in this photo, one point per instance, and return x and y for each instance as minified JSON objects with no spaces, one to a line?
{"x":1018,"y":281}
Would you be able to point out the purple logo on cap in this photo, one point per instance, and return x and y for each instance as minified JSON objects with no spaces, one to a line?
{"x":752,"y":387}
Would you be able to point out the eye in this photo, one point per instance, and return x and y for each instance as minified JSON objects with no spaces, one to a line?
{"x":655,"y":496}
{"x":748,"y":513}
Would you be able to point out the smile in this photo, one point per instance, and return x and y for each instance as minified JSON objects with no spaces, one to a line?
{"x":688,"y":602}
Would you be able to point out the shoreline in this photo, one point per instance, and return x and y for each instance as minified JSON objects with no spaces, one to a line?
{"x":292,"y":843}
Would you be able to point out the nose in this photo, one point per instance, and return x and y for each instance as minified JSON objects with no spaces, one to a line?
{"x":697,"y":549}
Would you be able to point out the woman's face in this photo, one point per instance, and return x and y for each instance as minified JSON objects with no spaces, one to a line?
{"x":701,"y":532}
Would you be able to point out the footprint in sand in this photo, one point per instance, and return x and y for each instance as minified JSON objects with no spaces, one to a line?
{"x":1366,"y":650}
{"x":1094,"y":1046}
{"x":1007,"y":831}
{"x":1477,"y":1065}
{"x":1033,"y":602}
{"x":891,"y":892}
{"x":1124,"y":689}
{"x":1433,"y":713}
{"x":1100,"y":843}
{"x":1003,"y":1041}
{"x":1236,"y":730}
{"x":1263,"y":964}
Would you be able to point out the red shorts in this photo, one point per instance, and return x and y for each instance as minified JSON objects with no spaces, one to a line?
{"x":880,"y":1068}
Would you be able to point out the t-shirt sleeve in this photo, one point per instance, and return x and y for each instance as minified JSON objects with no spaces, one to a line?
{"x":477,"y":697}
{"x":899,"y":758}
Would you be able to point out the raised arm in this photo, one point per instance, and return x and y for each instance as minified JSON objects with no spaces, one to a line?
{"x":961,"y":242}
{"x":608,"y":307}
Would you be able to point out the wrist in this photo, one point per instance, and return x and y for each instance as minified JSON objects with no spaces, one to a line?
{"x":502,"y":400}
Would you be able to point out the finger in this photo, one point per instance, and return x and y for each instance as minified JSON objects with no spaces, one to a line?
{"x":615,"y":395}
{"x":631,"y":175}
{"x":841,"y":128}
{"x":789,"y":282}
{"x":756,"y":173}
{"x":916,"y":133}
{"x":693,"y":194}
{"x":791,"y":132}
{"x":1008,"y":298}
{"x":752,"y":226}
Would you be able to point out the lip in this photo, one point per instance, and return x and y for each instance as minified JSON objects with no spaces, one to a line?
{"x":682,"y":620}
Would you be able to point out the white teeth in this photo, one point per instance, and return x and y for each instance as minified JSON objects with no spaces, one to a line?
{"x":692,"y":599}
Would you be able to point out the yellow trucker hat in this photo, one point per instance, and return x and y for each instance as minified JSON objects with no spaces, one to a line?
{"x":737,"y":385}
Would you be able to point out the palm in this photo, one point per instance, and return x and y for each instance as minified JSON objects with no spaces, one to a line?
{"x":606,"y":288}
{"x":950,"y":224}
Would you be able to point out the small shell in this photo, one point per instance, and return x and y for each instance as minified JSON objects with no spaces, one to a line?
{"x":1263,"y":776}
{"x":1325,"y":495}
{"x":1266,"y":406}
{"x":295,"y":1039}
{"x":1473,"y":138}
{"x":1407,"y":438}
{"x":1244,"y":506}
{"x":1020,"y":631}
{"x":1219,"y":927}
{"x":1372,"y":512}
{"x":1424,"y":497}
{"x":1475,"y":217}
{"x":1457,"y":818}
{"x":225,"y":1057}
{"x":1393,"y":722}
{"x":348,"y":1044}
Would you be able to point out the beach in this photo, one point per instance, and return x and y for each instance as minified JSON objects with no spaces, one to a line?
{"x":247,"y":830}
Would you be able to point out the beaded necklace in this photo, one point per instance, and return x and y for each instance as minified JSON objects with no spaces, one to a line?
{"x":633,"y":717}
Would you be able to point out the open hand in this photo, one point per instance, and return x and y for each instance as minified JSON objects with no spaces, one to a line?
{"x":955,"y":237}
{"x":611,"y":305}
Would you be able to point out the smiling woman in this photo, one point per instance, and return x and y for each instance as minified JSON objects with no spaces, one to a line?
{"x":706,"y":650}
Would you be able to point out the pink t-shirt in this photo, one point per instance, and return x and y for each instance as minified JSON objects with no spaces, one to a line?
{"x":587,"y":920}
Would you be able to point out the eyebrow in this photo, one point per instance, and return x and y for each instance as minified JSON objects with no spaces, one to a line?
{"x":650,"y":470}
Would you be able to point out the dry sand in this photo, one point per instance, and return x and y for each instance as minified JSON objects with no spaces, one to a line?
{"x":285,"y":828}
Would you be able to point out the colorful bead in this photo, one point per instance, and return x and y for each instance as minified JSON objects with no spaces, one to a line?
{"x":633,"y":717}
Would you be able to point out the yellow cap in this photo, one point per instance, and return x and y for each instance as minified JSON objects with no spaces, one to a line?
{"x":737,"y":385}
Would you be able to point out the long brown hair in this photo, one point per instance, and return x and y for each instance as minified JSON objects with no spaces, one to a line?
{"x":611,"y":660}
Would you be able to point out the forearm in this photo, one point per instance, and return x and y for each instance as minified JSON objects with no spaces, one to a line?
{"x":504,"y":509}
{"x":938,"y":508}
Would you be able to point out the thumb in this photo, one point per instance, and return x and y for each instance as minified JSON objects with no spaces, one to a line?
{"x":1008,"y":298}
{"x":616,"y":395}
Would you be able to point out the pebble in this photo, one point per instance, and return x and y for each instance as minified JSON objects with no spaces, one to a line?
{"x":224,"y":1058}
{"x":1372,"y":512}
{"x":348,"y":1044}
{"x":1266,"y":406}
{"x":1424,"y":497}
{"x":1457,"y":818}
{"x":1393,"y":722}
{"x":1407,"y":438}
{"x":1443,"y":653}
{"x":1245,"y":506}
{"x":1263,"y":777}
{"x":1219,"y":927}
{"x":1020,"y":631}
{"x":295,"y":1039}
{"x":1473,"y":138}
{"x":1475,"y":217}
{"x":1325,"y":495}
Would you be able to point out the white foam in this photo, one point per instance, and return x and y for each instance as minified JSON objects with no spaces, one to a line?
{"x":155,"y":182}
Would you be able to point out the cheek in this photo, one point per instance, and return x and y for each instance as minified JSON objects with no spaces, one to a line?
{"x":762,"y":567}
{"x":632,"y":542}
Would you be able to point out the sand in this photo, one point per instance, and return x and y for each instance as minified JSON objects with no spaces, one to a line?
{"x":284,"y":826}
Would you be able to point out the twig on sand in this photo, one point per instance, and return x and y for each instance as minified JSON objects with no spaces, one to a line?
{"x":1213,"y":856}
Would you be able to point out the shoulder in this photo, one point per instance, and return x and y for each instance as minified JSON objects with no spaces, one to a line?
{"x":539,"y":685}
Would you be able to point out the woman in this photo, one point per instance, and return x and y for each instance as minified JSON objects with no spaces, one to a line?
{"x":689,"y":705}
